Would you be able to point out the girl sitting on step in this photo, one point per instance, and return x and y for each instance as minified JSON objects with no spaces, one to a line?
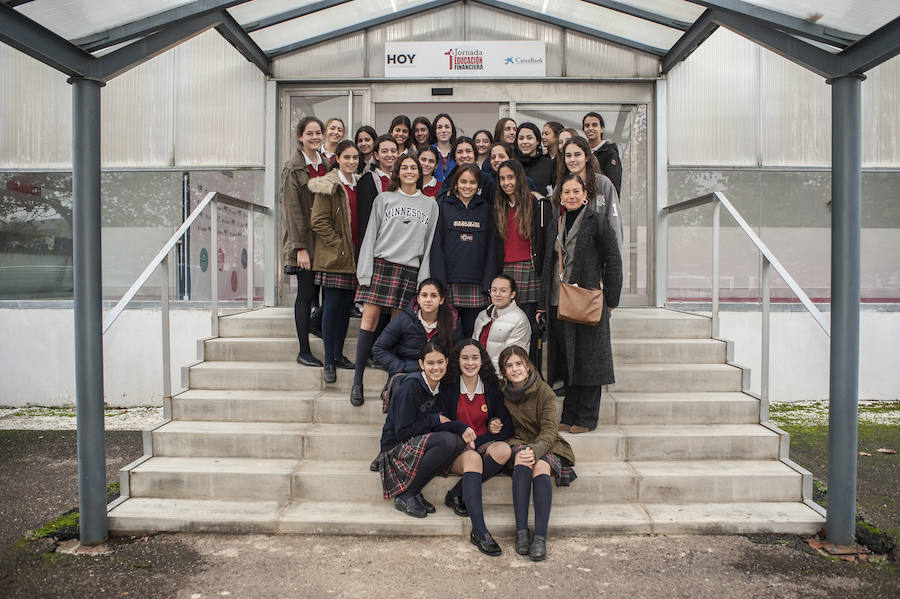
{"x":471,"y":396}
{"x":417,"y":441}
{"x":538,"y":450}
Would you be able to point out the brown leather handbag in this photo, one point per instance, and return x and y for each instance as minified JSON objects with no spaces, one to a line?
{"x":577,"y":304}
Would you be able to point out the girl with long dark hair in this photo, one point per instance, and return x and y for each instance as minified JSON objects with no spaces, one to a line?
{"x":422,"y":132}
{"x":471,"y":395}
{"x":428,"y":317}
{"x":393,"y":257}
{"x":365,"y":140}
{"x":417,"y":441}
{"x":538,"y":167}
{"x":399,"y":130}
{"x":505,"y":130}
{"x":550,"y":138}
{"x":445,"y":137}
{"x":462,"y":255}
{"x":297,"y":244}
{"x":428,"y":159}
{"x":483,"y":140}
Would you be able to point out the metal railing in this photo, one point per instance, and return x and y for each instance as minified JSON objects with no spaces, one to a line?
{"x":161,"y":260}
{"x":718,"y":200}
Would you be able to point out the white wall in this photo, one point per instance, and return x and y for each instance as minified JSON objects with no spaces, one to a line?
{"x":38,"y":355}
{"x":800,"y":352}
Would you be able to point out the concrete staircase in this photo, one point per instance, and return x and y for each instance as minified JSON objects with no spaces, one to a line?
{"x":260,"y":444}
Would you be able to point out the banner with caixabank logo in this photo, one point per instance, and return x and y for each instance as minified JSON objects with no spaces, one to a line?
{"x":455,"y":60}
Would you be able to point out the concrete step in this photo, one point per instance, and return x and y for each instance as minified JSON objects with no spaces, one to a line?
{"x":143,"y":515}
{"x":276,"y":376}
{"x":684,"y":408}
{"x":244,"y":405}
{"x":289,"y":376}
{"x":625,"y":351}
{"x":214,"y":478}
{"x":675,"y":378}
{"x":697,"y":442}
{"x":627,"y":323}
{"x":229,"y":439}
{"x":598,"y":482}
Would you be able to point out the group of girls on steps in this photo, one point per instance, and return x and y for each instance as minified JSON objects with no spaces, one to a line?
{"x":463,"y":242}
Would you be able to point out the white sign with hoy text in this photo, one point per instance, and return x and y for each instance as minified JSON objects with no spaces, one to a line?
{"x":453,"y":60}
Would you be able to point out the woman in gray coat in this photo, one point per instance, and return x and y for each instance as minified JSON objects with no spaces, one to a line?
{"x":580,"y":355}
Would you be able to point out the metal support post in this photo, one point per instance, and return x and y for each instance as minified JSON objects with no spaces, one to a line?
{"x":717,"y":209}
{"x":765,"y":373}
{"x":846,"y":191}
{"x":214,"y":264}
{"x":251,"y":262}
{"x":166,"y":343}
{"x":86,"y":259}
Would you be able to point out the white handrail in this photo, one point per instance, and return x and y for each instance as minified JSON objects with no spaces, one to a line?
{"x":718,"y":200}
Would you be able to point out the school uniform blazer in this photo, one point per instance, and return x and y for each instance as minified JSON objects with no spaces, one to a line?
{"x":493,"y":397}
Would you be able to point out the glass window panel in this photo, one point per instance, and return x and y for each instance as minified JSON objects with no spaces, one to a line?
{"x":250,"y":12}
{"x":77,"y":18}
{"x":675,"y":9}
{"x":468,"y":117}
{"x":626,"y":125}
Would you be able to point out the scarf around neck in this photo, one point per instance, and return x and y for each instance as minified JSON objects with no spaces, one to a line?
{"x":516,"y":394}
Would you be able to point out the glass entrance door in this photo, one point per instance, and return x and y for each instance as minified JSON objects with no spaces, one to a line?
{"x":626,"y":125}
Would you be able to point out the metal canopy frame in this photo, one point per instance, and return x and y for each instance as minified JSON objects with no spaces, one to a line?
{"x":292,"y":14}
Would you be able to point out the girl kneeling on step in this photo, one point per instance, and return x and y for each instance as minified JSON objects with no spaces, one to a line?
{"x":417,"y":441}
{"x":472,"y":397}
{"x":538,"y":450}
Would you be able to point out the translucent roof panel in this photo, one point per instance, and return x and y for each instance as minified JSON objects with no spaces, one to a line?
{"x":73,"y":19}
{"x":674,"y":9}
{"x":325,"y":21}
{"x":257,"y":10}
{"x":606,"y":20}
{"x":853,"y":16}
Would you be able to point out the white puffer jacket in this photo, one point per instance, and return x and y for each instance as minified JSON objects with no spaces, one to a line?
{"x":510,"y":327}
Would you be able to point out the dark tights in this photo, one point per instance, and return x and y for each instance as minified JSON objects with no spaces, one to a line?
{"x":335,"y":320}
{"x":306,"y":288}
{"x":543,"y":498}
{"x":440,"y":450}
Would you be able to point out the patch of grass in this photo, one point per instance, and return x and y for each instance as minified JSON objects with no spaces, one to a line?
{"x":68,"y":520}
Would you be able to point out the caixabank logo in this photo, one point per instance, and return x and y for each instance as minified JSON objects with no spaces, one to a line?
{"x":514,"y":60}
{"x":465,"y":59}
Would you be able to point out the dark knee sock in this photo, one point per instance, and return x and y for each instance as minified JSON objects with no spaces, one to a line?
{"x":543,"y":498}
{"x":489,"y":468}
{"x":436,"y":450}
{"x":521,"y":491}
{"x":363,"y":347}
{"x":471,"y":492}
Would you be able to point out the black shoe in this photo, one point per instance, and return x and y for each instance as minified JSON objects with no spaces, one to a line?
{"x":538,"y":550}
{"x":522,"y":542}
{"x":371,"y":363}
{"x":356,"y":395}
{"x":355,"y":313}
{"x":344,"y":364}
{"x":409,"y":506}
{"x":330,"y":374}
{"x":308,"y":360}
{"x":561,"y":392}
{"x":486,"y":544}
{"x":374,"y":465}
{"x":456,"y":504}
{"x":429,"y":507}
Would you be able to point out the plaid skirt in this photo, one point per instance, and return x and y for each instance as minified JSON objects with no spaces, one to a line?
{"x":398,"y":465}
{"x":336,"y":280}
{"x":392,"y":285}
{"x":527,"y":281}
{"x":562,"y":470}
{"x":467,"y":295}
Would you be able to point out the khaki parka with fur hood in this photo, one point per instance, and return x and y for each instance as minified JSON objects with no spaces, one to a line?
{"x":333,"y":246}
{"x":296,"y":206}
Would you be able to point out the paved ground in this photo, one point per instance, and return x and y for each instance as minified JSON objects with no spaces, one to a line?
{"x":38,"y":470}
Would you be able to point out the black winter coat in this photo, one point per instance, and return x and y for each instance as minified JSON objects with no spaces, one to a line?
{"x":413,"y":411}
{"x":496,"y":405}
{"x":611,"y":164}
{"x":398,"y":346}
{"x":539,"y":169}
{"x":588,"y":349}
{"x":366,"y":192}
{"x":463,"y":247}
